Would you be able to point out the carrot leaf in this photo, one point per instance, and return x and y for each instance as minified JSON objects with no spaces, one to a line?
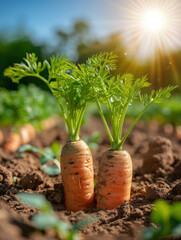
{"x":65,"y":80}
{"x":118,"y":93}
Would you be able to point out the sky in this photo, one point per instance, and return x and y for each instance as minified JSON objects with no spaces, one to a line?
{"x":42,"y":17}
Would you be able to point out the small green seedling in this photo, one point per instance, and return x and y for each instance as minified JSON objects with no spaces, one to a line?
{"x":93,"y":140}
{"x":48,"y":154}
{"x":168,"y":219}
{"x":48,"y":219}
{"x":15,"y":180}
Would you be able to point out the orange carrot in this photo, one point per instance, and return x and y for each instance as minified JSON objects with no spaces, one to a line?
{"x":27,"y":133}
{"x":1,"y":137}
{"x":70,"y":86}
{"x":114,"y":179}
{"x":12,"y":143}
{"x":77,"y":176}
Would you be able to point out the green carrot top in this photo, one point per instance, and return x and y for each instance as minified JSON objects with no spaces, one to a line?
{"x":65,"y":80}
{"x":118,"y":92}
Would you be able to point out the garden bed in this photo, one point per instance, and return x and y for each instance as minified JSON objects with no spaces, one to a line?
{"x":160,"y":177}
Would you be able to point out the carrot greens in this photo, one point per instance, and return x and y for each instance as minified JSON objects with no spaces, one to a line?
{"x":117,"y":93}
{"x":74,"y":86}
{"x":65,"y":80}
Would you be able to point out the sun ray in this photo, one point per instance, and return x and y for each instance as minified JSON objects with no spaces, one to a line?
{"x":155,"y":22}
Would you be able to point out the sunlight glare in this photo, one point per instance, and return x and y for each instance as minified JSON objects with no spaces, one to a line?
{"x":151,"y":27}
{"x":154,"y":20}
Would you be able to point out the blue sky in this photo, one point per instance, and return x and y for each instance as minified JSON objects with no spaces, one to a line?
{"x":42,"y":17}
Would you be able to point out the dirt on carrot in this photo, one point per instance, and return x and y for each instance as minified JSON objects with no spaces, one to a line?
{"x":114,"y":179}
{"x":123,"y":222}
{"x":77,"y":176}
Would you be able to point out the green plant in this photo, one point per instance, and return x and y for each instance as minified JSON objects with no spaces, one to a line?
{"x":168,"y":220}
{"x":69,"y":85}
{"x":93,"y":140}
{"x":65,"y":80}
{"x":48,"y":154}
{"x":166,"y":112}
{"x":118,"y":93}
{"x":48,"y":219}
{"x":27,"y":104}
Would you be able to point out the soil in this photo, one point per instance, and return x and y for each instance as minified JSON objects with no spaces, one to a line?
{"x":157,"y":174}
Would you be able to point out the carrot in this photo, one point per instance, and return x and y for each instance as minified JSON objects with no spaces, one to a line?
{"x":69,"y":85}
{"x":117,"y":93}
{"x":114,"y":179}
{"x":12,"y":142}
{"x":77,"y":176}
{"x":27,"y":133}
{"x":1,"y":137}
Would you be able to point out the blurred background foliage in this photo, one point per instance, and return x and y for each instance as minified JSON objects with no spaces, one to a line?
{"x":79,"y":44}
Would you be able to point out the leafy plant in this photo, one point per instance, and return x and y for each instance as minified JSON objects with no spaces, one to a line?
{"x":65,"y":80}
{"x":93,"y":140}
{"x":166,"y":112}
{"x":168,"y":219}
{"x":48,"y":154}
{"x":117,"y":93}
{"x":48,"y":219}
{"x":27,"y":104}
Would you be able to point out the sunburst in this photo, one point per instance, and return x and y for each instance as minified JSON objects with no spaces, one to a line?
{"x":151,"y":26}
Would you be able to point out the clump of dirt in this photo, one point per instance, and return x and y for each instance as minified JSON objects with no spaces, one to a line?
{"x":31,"y":180}
{"x":157,"y":191}
{"x":159,"y":155}
{"x":177,"y":167}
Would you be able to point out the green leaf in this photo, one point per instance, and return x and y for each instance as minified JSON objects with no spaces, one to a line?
{"x":50,"y":170}
{"x":177,"y":230}
{"x":176,"y":211}
{"x":161,"y":212}
{"x":28,"y":147}
{"x":56,"y":148}
{"x":149,"y":233}
{"x":46,"y":158}
{"x":82,"y":223}
{"x":95,"y":137}
{"x":92,"y":146}
{"x":95,"y":184}
{"x":45,"y":220}
{"x":63,"y":228}
{"x":34,"y":200}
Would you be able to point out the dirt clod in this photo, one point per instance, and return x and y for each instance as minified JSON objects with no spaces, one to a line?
{"x":31,"y":181}
{"x":157,"y":191}
{"x":124,"y":210}
{"x":159,"y":155}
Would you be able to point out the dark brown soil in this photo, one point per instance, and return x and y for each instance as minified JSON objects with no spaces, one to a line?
{"x":157,"y":174}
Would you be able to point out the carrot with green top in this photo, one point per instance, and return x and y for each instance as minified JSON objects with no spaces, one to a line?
{"x":117,"y":93}
{"x":68,"y":84}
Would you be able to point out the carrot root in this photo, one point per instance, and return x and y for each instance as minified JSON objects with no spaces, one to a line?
{"x":27,"y":133}
{"x":12,"y":143}
{"x":114,"y":179}
{"x":1,"y":137}
{"x":77,"y":176}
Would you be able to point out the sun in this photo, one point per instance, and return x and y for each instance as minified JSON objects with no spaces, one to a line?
{"x":149,"y":26}
{"x":154,"y":20}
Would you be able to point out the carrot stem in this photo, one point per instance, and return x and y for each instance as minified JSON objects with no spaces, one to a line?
{"x":119,"y":146}
{"x":75,"y":136}
{"x":104,"y":121}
